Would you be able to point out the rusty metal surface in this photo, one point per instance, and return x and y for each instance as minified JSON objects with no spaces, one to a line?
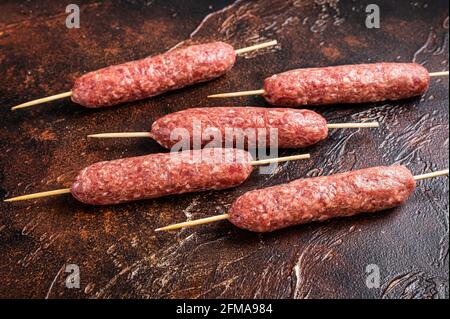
{"x":118,"y":253}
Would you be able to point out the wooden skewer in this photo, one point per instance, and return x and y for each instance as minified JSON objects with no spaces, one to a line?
{"x":121,"y":135}
{"x":196,"y":222}
{"x":236,"y":94}
{"x":280,"y":159}
{"x":431,"y":175}
{"x":147,"y":134}
{"x":256,"y":47}
{"x":43,"y":100}
{"x":39,"y":195}
{"x":441,"y":73}
{"x":67,"y":94}
{"x":67,"y":190}
{"x":261,"y":91}
{"x":354,"y":125}
{"x":208,"y":220}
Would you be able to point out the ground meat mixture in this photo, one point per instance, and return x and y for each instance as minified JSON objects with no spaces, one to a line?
{"x":320,"y":198}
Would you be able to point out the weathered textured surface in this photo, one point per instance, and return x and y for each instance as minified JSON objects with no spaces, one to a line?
{"x":115,"y":247}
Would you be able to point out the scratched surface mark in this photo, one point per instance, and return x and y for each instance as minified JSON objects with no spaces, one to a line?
{"x":115,"y":247}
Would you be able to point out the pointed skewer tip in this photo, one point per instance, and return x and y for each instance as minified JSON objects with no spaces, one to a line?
{"x":121,"y":135}
{"x":39,"y":195}
{"x":191,"y":223}
{"x":42,"y":100}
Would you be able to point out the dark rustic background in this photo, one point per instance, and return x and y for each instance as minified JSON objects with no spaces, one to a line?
{"x":118,"y":253}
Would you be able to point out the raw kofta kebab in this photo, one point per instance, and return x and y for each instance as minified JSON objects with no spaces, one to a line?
{"x":152,"y":76}
{"x":295,"y":128}
{"x":358,"y":83}
{"x":320,"y":198}
{"x":157,"y":175}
